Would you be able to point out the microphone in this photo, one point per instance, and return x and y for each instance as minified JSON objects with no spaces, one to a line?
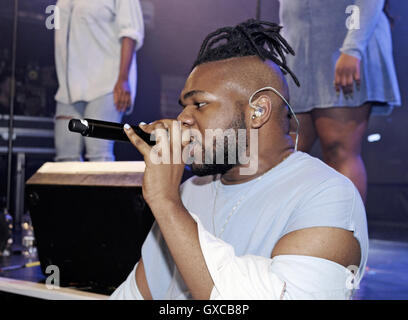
{"x":107,"y":130}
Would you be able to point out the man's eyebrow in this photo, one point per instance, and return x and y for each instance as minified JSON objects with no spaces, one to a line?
{"x":190,"y":94}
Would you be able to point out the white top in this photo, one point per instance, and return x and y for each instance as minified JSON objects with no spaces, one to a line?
{"x":285,"y":277}
{"x":88,"y":46}
{"x":301,"y":192}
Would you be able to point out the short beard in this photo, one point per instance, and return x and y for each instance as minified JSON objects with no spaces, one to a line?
{"x":206,"y":169}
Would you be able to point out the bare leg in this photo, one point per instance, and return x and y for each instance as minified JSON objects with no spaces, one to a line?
{"x":341,"y":132}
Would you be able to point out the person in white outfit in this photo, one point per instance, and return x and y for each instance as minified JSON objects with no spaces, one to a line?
{"x":95,"y":56}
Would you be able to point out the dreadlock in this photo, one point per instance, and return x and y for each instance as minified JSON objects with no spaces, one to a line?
{"x":252,"y":37}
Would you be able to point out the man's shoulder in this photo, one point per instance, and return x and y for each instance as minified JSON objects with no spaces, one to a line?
{"x":302,"y":170}
{"x":319,"y":183}
{"x":309,"y":168}
{"x":307,"y":178}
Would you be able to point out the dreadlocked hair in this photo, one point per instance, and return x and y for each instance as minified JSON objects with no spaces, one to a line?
{"x":252,"y":37}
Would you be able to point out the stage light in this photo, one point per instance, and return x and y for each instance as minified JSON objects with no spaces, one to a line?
{"x":374,"y":137}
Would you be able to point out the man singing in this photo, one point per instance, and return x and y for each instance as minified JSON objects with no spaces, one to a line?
{"x":293,"y":228}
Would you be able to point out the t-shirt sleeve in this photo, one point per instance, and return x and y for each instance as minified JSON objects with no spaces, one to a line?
{"x":283,"y":277}
{"x":333,"y":203}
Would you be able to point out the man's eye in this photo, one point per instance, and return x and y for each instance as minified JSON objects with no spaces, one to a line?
{"x":201,"y":104}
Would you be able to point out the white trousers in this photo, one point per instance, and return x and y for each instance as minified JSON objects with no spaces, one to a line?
{"x":70,"y":145}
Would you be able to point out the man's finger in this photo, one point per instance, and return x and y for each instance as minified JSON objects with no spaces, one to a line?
{"x":162,"y":147}
{"x":138,"y":142}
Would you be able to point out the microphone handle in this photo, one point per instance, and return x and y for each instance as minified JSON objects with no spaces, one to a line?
{"x":106,"y":130}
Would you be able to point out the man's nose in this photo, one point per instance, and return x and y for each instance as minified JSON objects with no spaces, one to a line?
{"x":186,"y":117}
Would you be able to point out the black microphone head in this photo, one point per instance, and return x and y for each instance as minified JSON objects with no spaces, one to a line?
{"x":76,"y":125}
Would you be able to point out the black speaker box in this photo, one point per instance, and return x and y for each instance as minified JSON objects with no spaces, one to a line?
{"x":90,"y":220}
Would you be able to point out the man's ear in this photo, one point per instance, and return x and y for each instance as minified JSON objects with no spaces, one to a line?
{"x":261,"y":112}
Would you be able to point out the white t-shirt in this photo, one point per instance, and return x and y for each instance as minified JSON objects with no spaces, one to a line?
{"x":301,"y":192}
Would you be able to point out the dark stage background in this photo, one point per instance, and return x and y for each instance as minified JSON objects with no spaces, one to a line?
{"x":174,"y":32}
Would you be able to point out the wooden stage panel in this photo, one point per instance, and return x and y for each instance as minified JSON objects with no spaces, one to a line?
{"x":40,"y":291}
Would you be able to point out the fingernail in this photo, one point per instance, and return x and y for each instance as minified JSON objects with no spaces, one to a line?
{"x":126,"y":126}
{"x":142,"y":123}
